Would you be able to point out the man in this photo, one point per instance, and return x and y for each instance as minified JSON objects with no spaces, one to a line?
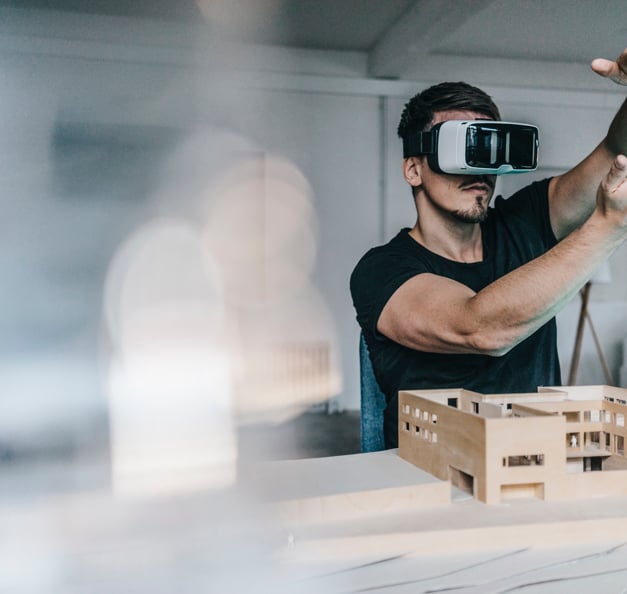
{"x":467,"y":297}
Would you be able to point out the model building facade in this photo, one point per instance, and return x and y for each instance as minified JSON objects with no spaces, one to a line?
{"x":554,"y":444}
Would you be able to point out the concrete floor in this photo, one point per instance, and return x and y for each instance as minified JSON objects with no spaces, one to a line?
{"x":310,"y":435}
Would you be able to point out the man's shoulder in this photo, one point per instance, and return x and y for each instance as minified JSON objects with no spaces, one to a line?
{"x":398,"y":244}
{"x":534,"y":191}
{"x":380,"y":261}
{"x":528,"y":205}
{"x":524,"y":216}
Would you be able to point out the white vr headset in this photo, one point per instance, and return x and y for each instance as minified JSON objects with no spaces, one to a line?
{"x":476,"y":147}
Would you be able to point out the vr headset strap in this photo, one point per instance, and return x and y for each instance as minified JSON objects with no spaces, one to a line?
{"x":423,"y":143}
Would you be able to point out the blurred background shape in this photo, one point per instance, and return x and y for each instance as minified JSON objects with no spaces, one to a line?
{"x":170,"y":406}
{"x":263,"y":231}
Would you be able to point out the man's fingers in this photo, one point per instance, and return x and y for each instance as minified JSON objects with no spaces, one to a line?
{"x":614,"y":70}
{"x":603,"y":67}
{"x":617,"y":173}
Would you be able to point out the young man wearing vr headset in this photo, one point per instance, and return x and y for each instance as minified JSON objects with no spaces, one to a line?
{"x":467,"y":297}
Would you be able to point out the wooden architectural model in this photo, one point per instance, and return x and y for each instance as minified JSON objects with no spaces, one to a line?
{"x":555,"y":444}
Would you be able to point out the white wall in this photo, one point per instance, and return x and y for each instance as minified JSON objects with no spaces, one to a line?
{"x":313,"y":108}
{"x":333,"y":139}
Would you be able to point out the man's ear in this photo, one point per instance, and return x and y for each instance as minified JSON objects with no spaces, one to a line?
{"x":412,"y":171}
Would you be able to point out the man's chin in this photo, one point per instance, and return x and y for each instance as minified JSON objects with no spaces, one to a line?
{"x":474,"y":216}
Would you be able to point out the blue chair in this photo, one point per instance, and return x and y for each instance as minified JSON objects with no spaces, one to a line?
{"x":372,"y":403}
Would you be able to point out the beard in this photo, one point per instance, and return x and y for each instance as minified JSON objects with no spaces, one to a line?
{"x":476,"y":214}
{"x":475,"y":211}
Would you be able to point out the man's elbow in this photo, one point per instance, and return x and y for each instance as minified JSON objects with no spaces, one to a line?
{"x":491,"y":344}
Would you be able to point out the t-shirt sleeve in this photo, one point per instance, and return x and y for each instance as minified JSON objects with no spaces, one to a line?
{"x":375,"y":279}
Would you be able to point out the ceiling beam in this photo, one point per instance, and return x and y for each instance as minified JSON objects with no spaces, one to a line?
{"x":420,"y":29}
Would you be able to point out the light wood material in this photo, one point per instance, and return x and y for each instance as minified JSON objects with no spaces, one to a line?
{"x":539,"y":446}
{"x":470,"y":526}
{"x":574,"y":362}
{"x":597,"y":343}
{"x":321,"y":490}
{"x":584,"y":316}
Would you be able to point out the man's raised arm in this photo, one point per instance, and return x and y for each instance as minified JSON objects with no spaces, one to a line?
{"x":572,"y":195}
{"x":436,"y":314}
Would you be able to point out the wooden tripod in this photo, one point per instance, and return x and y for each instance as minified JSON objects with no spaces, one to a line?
{"x":584,"y":316}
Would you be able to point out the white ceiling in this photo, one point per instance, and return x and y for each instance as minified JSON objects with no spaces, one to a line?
{"x":403,"y":38}
{"x":562,"y":30}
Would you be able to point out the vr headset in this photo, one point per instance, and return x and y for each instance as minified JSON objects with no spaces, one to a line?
{"x":476,"y":147}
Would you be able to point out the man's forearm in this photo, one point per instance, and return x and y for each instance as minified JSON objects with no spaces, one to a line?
{"x":507,"y":311}
{"x":516,"y":305}
{"x":529,"y":296}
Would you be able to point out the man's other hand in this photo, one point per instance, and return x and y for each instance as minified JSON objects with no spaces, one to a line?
{"x":612,"y":192}
{"x":616,"y":71}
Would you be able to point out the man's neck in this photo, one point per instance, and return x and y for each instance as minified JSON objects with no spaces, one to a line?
{"x":451,"y":239}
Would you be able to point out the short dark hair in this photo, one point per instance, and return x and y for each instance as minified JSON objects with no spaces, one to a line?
{"x":418,"y":112}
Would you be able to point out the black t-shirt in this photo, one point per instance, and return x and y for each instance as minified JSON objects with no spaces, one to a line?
{"x":515,"y":231}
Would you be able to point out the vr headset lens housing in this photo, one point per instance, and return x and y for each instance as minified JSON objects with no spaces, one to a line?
{"x":489,"y":146}
{"x":477,"y":147}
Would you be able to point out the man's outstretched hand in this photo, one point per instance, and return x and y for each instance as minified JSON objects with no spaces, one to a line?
{"x":616,"y":71}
